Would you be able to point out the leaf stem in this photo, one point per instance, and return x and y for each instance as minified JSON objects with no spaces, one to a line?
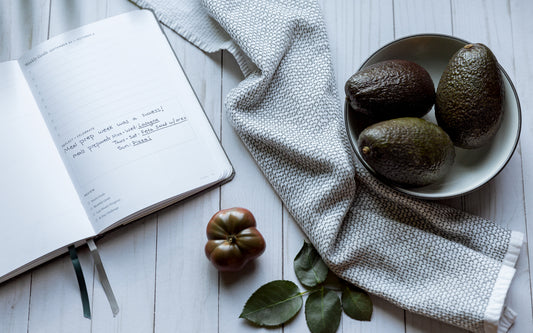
{"x":310,"y":291}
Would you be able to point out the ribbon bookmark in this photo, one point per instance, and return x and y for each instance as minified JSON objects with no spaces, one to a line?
{"x":103,"y":277}
{"x":81,"y":282}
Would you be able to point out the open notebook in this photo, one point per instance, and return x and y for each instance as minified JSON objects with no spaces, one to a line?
{"x":100,"y":127}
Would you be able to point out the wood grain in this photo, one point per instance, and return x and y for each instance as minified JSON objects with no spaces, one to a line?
{"x":157,"y":266}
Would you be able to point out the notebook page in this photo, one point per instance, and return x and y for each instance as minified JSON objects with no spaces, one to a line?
{"x":39,"y":208}
{"x":123,"y":115}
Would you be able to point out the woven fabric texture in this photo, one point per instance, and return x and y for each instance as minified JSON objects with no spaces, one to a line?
{"x":424,"y":257}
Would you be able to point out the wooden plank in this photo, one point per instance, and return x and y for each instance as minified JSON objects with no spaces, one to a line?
{"x":22,"y":25}
{"x":129,"y":257}
{"x":410,"y":18}
{"x":356,"y":29}
{"x":55,"y":297}
{"x":293,"y":238}
{"x":251,"y":190}
{"x":50,"y":299}
{"x":67,"y":15}
{"x":14,"y":304}
{"x":522,"y":51}
{"x":187,"y":284}
{"x":418,"y":16}
{"x":502,"y":199}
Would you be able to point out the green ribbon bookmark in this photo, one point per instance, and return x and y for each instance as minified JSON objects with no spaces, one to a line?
{"x":81,"y":282}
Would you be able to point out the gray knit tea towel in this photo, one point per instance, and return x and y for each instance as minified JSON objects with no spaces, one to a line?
{"x":424,"y":257}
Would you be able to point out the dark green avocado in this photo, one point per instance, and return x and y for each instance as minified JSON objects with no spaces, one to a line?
{"x":391,"y":89}
{"x":470,"y":96}
{"x":408,"y":151}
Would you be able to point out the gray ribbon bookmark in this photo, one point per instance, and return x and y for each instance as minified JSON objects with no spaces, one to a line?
{"x":103,"y":277}
{"x":81,"y":282}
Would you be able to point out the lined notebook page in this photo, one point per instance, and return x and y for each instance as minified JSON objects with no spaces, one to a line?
{"x":39,"y":209}
{"x":124,"y":117}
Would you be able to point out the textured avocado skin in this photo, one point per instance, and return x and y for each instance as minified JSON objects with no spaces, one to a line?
{"x":408,"y":151}
{"x":470,"y":95}
{"x":391,"y":89}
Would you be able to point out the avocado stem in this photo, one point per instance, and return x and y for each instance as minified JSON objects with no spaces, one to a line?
{"x":468,"y":46}
{"x":365,"y":150}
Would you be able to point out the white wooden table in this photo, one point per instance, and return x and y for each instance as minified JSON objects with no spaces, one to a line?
{"x":157,"y":266}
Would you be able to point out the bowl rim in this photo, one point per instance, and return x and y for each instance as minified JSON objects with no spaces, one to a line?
{"x":409,"y":191}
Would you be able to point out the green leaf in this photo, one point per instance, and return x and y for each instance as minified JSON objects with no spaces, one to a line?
{"x":309,"y":267}
{"x":273,"y":303}
{"x":323,"y":311}
{"x":356,"y":303}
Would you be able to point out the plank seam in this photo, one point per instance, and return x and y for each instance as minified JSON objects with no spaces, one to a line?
{"x":29,"y":303}
{"x":155,"y":271}
{"x":519,"y":149}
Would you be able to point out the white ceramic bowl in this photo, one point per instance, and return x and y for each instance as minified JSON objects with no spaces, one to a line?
{"x":472,"y":168}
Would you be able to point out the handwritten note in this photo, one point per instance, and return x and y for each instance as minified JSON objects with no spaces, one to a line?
{"x":122,"y":134}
